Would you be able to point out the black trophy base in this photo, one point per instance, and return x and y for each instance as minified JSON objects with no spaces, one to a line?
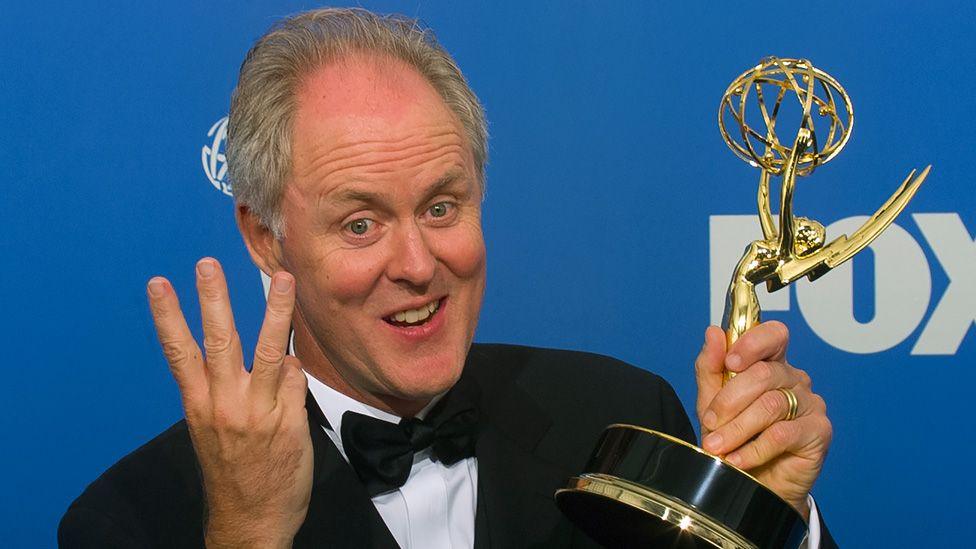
{"x":642,"y":488}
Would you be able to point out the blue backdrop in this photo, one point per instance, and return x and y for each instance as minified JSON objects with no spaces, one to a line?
{"x":611,"y":203}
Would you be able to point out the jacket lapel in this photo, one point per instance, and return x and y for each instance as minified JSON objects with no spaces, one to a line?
{"x":340,"y":513}
{"x":515,"y":506}
{"x":515,"y":485}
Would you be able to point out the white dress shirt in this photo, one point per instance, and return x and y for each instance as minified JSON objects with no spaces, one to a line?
{"x":436,"y":507}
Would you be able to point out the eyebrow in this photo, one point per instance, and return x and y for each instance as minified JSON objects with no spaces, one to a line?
{"x":445,"y":182}
{"x":346,"y":196}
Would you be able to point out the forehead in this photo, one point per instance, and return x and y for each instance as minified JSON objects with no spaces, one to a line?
{"x":362,"y":97}
{"x":372,"y":122}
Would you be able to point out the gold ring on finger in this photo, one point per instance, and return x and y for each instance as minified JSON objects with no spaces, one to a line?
{"x":791,"y":400}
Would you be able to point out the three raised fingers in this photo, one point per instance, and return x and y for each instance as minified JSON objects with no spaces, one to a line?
{"x":222,"y":371}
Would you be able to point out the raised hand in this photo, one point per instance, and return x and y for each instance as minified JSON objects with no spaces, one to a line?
{"x":249,"y":430}
{"x":745,"y":420}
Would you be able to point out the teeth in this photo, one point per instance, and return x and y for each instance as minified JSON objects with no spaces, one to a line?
{"x":413,"y":316}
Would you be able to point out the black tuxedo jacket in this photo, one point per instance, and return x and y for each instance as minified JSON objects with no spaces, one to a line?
{"x":541,"y":414}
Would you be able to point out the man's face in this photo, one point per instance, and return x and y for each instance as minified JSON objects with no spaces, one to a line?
{"x":383,"y":232}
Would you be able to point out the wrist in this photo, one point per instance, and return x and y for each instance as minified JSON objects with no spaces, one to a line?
{"x":237,"y":540}
{"x":803,"y":507}
{"x":227,"y":533}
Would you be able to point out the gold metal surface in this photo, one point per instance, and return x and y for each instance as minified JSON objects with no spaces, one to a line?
{"x":677,"y":440}
{"x":794,"y":246}
{"x":791,"y":246}
{"x":660,"y":505}
{"x":792,"y":403}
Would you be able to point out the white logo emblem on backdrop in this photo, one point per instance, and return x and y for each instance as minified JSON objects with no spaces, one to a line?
{"x":902,"y":285}
{"x":214,"y":160}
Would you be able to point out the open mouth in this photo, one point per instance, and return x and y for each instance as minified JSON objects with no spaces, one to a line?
{"x":414,"y":317}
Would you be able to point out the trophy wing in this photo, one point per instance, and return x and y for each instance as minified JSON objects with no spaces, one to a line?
{"x":844,"y":247}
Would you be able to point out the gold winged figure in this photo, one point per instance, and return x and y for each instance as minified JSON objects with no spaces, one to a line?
{"x":795,"y":246}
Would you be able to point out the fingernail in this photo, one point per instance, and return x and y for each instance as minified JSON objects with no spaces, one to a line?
{"x":709,"y":419}
{"x":205,"y":268}
{"x":734,"y":459}
{"x":282,"y":283}
{"x":713,"y":442}
{"x":732,"y":361}
{"x":156,"y":287}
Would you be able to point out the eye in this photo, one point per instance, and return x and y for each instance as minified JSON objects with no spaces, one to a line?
{"x":359,"y":226}
{"x":440,"y":209}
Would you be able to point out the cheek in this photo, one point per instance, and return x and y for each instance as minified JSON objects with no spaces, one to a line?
{"x":330,"y":278}
{"x":462,"y":250}
{"x":352,"y":274}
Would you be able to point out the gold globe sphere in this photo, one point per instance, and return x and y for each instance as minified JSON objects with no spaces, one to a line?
{"x":823,"y":103}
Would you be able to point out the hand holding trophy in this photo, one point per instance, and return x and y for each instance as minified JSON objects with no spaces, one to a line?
{"x":646,"y":488}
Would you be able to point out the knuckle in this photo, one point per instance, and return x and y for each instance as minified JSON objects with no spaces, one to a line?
{"x":194,"y":418}
{"x":827,"y":428}
{"x":781,"y":330}
{"x":747,"y":346}
{"x":782,"y":433}
{"x":268,"y":353}
{"x":763,"y":371}
{"x":218,"y":342}
{"x":720,"y":404}
{"x":291,"y":362}
{"x":279,"y":308}
{"x":818,"y":404}
{"x":260,"y":421}
{"x":227,"y":420}
{"x":295,"y":382}
{"x":737,"y":430}
{"x":757,"y":451}
{"x":804,"y":378}
{"x":296,"y":378}
{"x":175,"y":353}
{"x":772,"y":402}
{"x":700,"y":410}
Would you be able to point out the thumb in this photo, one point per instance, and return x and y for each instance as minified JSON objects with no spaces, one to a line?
{"x":709,"y":369}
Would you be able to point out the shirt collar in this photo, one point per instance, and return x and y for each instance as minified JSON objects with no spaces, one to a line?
{"x":334,"y":404}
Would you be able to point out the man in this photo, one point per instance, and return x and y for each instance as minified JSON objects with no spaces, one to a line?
{"x":357,"y":151}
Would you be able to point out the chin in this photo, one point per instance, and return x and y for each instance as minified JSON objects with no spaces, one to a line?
{"x":429,"y":377}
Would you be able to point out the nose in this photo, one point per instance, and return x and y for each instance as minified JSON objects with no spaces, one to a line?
{"x":412,"y":260}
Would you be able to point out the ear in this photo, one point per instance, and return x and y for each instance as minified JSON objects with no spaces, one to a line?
{"x":261,"y":243}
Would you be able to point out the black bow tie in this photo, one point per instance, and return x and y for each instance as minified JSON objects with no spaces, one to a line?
{"x":382,"y":452}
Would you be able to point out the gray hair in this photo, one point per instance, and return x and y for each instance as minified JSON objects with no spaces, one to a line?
{"x":263,"y":104}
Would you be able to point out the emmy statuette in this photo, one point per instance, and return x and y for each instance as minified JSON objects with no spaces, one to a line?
{"x":642,"y":488}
